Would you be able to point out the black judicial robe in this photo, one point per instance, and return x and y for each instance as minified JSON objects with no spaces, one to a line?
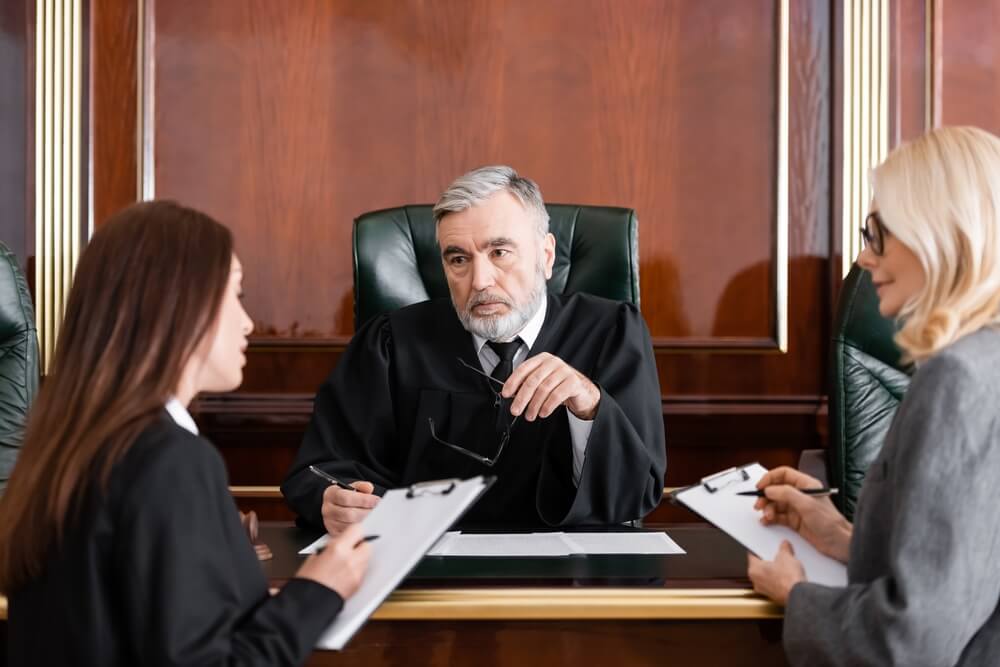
{"x":370,"y":418}
{"x":159,"y":571}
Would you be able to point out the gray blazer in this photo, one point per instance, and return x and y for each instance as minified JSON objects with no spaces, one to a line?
{"x":924,"y":567}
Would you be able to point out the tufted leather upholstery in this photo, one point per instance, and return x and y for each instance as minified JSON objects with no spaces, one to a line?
{"x":18,"y":360}
{"x":868,"y":382}
{"x":397,"y":261}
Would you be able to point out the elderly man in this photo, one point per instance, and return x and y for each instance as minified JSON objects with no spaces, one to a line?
{"x":556,"y":395}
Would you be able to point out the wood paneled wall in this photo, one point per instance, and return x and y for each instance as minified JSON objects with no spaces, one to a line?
{"x":287,"y":120}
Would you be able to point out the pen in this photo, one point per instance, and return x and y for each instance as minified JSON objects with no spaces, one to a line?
{"x":330,"y":478}
{"x":759,"y":493}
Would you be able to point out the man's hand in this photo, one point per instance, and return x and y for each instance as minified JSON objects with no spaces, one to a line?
{"x":544,"y":382}
{"x":343,"y":508}
{"x":775,"y":578}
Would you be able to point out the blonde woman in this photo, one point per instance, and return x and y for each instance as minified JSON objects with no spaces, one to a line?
{"x":923,"y":554}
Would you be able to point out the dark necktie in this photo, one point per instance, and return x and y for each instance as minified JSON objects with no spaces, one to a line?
{"x":503,"y":370}
{"x":506,"y":352}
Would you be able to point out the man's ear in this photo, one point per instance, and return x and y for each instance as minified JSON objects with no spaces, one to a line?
{"x":549,"y":251}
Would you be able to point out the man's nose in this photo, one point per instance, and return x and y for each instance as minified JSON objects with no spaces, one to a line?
{"x":482,"y":274}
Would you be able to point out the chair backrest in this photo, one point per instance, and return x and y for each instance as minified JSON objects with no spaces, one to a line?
{"x":18,"y":360}
{"x":397,"y":261}
{"x":868,"y":382}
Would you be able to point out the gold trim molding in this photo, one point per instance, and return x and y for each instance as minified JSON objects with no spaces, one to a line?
{"x":781,"y":204}
{"x":481,"y":604}
{"x":145,"y":43}
{"x":58,"y":131}
{"x":552,"y":604}
{"x":865,"y":113}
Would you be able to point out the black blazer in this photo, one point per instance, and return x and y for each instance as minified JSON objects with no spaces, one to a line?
{"x":158,"y":571}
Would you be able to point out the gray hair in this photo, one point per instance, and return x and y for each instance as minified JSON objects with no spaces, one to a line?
{"x":480,"y":184}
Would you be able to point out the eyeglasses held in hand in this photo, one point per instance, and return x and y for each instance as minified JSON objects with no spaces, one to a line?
{"x":502,"y":413}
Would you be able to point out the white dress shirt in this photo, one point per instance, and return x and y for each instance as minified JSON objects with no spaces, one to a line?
{"x":181,"y":416}
{"x":579,"y":429}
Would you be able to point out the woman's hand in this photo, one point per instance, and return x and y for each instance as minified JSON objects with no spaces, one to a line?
{"x":775,"y":578}
{"x":341,"y":564}
{"x":815,"y":519}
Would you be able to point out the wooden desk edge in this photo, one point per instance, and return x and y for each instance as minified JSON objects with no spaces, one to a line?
{"x":481,"y":604}
{"x":275,"y":491}
{"x":570,"y":604}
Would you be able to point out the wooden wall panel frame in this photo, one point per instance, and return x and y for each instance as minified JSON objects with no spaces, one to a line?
{"x":722,"y":419}
{"x":776,"y":343}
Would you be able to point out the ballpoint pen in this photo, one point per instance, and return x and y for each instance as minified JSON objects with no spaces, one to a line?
{"x":330,"y":478}
{"x":759,"y":493}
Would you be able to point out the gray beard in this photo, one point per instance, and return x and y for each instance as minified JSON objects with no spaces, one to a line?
{"x":501,"y":328}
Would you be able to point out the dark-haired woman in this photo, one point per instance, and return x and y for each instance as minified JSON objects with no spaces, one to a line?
{"x":119,"y":542}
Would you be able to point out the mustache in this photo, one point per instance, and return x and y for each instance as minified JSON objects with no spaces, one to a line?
{"x":486,"y":297}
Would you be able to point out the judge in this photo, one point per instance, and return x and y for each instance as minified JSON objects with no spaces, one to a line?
{"x":557,"y":396}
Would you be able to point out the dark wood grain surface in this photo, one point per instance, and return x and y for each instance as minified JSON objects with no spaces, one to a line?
{"x":712,"y":560}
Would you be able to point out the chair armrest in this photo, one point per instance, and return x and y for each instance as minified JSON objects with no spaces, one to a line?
{"x":813,"y":462}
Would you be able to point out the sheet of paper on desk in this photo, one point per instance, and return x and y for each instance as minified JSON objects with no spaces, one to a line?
{"x":552,"y":544}
{"x":623,"y":543}
{"x":500,"y":544}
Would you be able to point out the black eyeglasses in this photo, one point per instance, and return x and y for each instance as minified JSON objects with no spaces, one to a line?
{"x":873,"y":232}
{"x":503,"y":421}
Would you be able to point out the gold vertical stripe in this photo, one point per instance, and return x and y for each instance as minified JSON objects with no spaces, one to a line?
{"x":39,"y":158}
{"x":883,"y":93}
{"x":865,"y":113}
{"x":146,"y":186}
{"x":781,"y":211}
{"x":44,"y":254}
{"x":76,"y":114}
{"x":58,"y":111}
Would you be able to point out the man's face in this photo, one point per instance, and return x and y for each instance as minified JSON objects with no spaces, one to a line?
{"x":496,"y":265}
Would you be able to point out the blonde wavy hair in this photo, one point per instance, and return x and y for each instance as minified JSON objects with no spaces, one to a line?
{"x":940,"y":196}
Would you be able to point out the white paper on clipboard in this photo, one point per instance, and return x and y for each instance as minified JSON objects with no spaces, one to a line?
{"x":715,"y":499}
{"x":408,"y":522}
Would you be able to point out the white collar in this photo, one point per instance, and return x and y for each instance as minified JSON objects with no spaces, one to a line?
{"x":181,"y":416}
{"x":528,"y":333}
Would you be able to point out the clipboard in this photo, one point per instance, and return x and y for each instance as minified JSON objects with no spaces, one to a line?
{"x":714,"y":499}
{"x":408,"y":522}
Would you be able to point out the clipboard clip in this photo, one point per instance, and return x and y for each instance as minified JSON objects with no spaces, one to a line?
{"x":430,"y":488}
{"x":734,"y":475}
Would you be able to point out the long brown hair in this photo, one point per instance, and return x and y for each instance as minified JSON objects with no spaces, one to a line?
{"x":147,"y":289}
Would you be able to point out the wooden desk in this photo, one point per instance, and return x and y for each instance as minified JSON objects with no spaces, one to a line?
{"x":609,"y":610}
{"x":621,"y":610}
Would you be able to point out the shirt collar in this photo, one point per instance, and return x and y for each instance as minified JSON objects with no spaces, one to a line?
{"x":528,"y":333}
{"x":181,"y":416}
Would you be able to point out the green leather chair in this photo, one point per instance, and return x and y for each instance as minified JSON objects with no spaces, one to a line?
{"x":397,"y":261}
{"x":18,"y":360}
{"x":868,"y":382}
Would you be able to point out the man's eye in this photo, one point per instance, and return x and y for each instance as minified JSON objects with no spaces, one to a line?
{"x":457,"y":260}
{"x":500,"y":252}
